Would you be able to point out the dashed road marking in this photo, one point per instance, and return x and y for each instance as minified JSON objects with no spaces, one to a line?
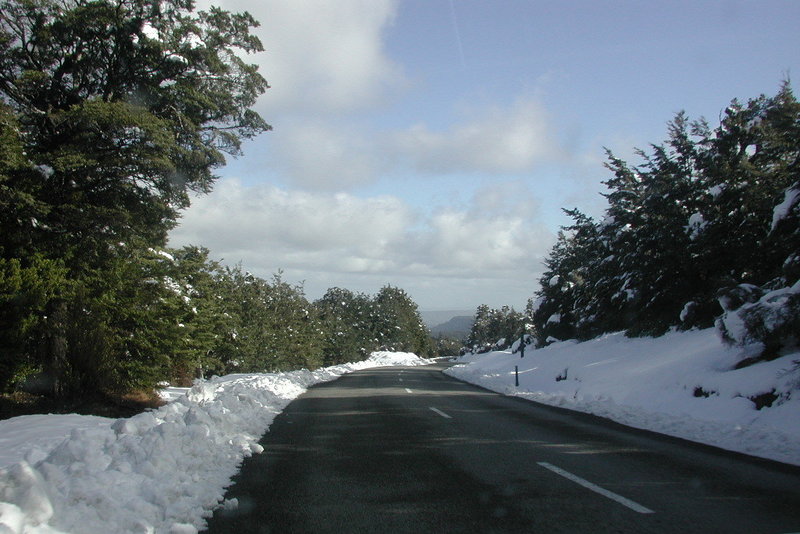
{"x":440,"y":412}
{"x":636,"y":507}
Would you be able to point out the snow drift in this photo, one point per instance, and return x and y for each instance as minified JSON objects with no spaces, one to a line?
{"x":159,"y":471}
{"x":683,"y":384}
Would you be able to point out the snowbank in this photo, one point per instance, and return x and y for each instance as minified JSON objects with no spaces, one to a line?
{"x":159,"y":471}
{"x":682,"y":384}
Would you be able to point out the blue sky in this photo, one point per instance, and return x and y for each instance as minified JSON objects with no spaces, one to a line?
{"x":431,"y":144}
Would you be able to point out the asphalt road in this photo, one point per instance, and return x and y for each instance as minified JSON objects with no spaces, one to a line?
{"x":394,"y":450}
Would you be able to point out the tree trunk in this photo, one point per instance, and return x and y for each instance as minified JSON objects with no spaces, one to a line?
{"x":55,"y":347}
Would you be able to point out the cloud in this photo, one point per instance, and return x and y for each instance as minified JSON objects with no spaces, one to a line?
{"x":322,"y":57}
{"x":335,"y":155}
{"x":319,"y":155}
{"x":506,"y":140}
{"x":327,"y":64}
{"x":327,"y":61}
{"x":363,"y":243}
{"x":269,"y":226}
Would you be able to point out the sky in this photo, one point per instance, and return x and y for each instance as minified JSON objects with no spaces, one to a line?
{"x":432,"y":144}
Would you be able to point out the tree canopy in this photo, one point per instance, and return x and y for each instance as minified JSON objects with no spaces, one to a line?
{"x":111,"y":113}
{"x":123,"y":107}
{"x":704,"y":230}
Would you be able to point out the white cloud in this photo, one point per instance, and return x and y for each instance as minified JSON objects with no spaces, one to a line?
{"x":506,"y":140}
{"x":319,"y":155}
{"x":321,"y":56}
{"x":292,"y":228}
{"x":327,"y":63}
{"x":332,"y":155}
{"x":325,"y":60}
{"x":364,"y":243}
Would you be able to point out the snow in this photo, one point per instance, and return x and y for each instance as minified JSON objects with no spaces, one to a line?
{"x":687,"y":310}
{"x":608,"y":220}
{"x":166,"y":470}
{"x":159,"y":471}
{"x":45,"y":170}
{"x":772,"y":311}
{"x":782,"y":210}
{"x":696,"y":225}
{"x":654,"y":384}
{"x":32,"y":437}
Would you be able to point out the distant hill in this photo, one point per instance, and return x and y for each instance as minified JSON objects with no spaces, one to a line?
{"x":435,"y":318}
{"x":457,"y":327}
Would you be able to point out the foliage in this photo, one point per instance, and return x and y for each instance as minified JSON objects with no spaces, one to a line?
{"x":25,"y":289}
{"x":128,"y":106}
{"x":493,"y":327}
{"x":444,"y":346}
{"x":354,"y":325}
{"x":704,"y":215}
{"x":398,"y":324}
{"x":346,"y":327}
{"x":110,"y":114}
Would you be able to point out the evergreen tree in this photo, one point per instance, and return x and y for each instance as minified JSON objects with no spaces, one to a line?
{"x":276,"y":327}
{"x":26,"y":286}
{"x":208,"y":322}
{"x":554,"y":310}
{"x":345,"y":326}
{"x":708,"y":216}
{"x":126,"y":107}
{"x":650,"y":209}
{"x":481,"y":330}
{"x":399,"y":326}
{"x":110,"y":114}
{"x":492,"y":327}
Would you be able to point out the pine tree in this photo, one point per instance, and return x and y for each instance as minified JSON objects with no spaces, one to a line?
{"x":111,"y":114}
{"x":345,"y":326}
{"x":400,"y":327}
{"x":706,"y":219}
{"x":496,"y":328}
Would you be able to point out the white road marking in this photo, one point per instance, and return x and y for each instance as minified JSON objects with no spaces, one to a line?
{"x":409,"y":391}
{"x":636,"y":507}
{"x":440,"y":412}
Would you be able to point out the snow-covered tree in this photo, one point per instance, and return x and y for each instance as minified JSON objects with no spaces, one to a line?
{"x":706,"y":219}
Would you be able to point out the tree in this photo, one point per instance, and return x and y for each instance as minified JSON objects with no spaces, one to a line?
{"x":492,"y":325}
{"x":707,"y":219}
{"x":111,"y":113}
{"x":25,"y":289}
{"x":127,"y":105}
{"x":651,"y":207}
{"x":769,"y":314}
{"x":345,"y":319}
{"x":398,"y":325}
{"x":292,"y":328}
{"x":355,"y":324}
{"x":208,"y":322}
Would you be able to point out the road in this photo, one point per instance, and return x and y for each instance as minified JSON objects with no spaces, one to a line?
{"x":393,"y":450}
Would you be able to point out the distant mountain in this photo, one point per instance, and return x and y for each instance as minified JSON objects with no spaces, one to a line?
{"x":457,"y":327}
{"x":435,"y":318}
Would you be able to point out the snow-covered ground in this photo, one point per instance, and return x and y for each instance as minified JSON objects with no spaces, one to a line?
{"x":682,"y":384}
{"x":166,"y":470}
{"x":159,"y":471}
